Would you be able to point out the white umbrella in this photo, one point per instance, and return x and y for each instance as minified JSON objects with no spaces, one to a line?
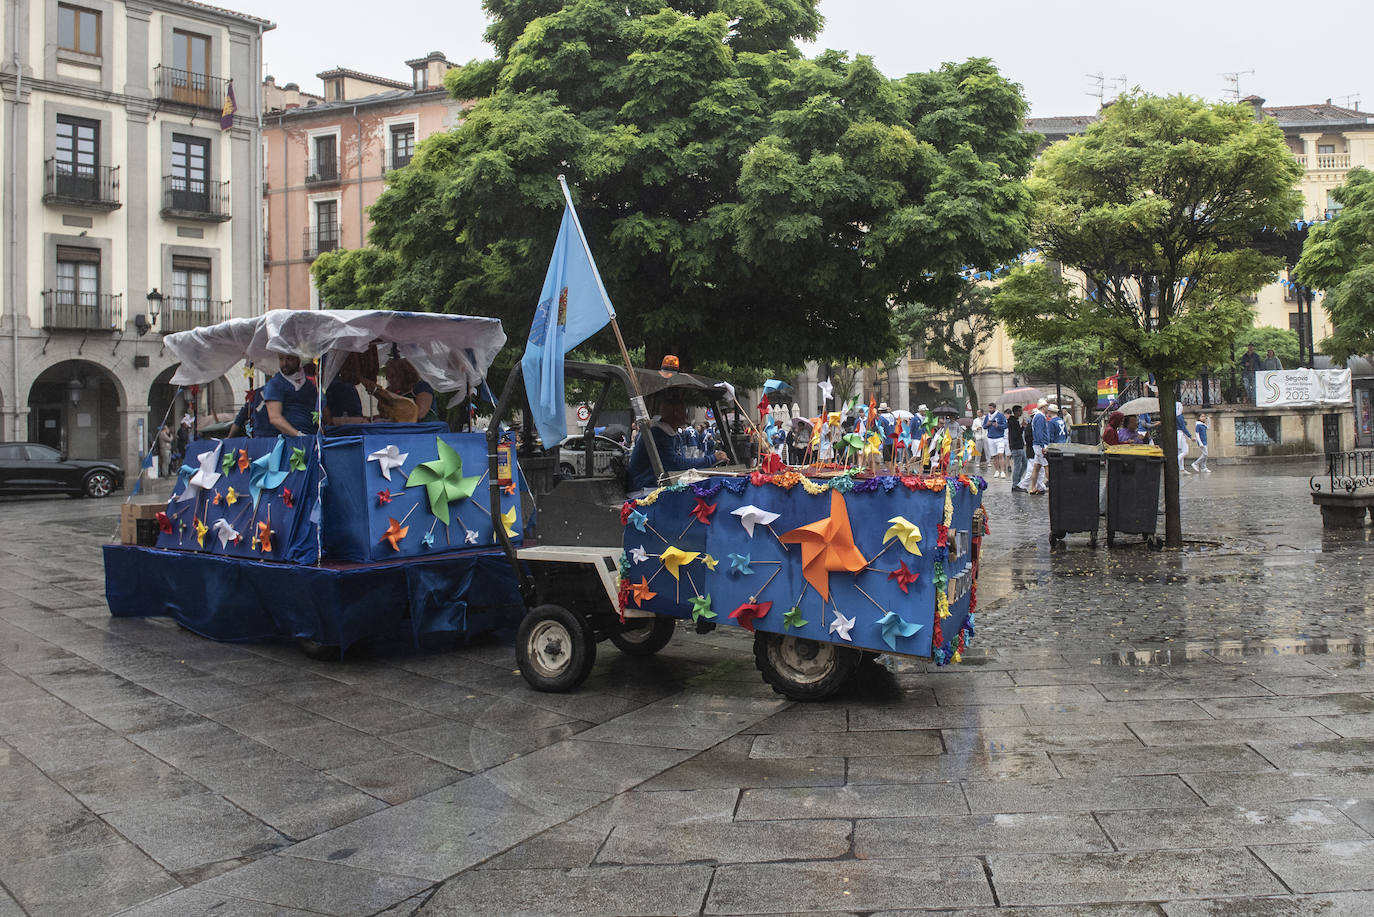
{"x":903,"y":415}
{"x":1140,"y":406}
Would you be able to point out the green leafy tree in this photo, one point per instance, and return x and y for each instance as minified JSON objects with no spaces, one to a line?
{"x":1076,"y":364}
{"x":745,"y":204}
{"x":1158,"y":204}
{"x":954,"y":332}
{"x":1339,"y":258}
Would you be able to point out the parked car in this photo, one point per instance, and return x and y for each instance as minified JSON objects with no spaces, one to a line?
{"x":572,"y":457}
{"x":32,"y":468}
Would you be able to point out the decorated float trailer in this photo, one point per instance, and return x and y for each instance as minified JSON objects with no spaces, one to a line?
{"x":820,"y":564}
{"x":341,"y":535}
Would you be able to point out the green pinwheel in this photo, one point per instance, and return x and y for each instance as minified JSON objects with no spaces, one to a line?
{"x":443,"y":480}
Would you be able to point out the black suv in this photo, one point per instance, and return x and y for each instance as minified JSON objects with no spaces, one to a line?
{"x":32,"y":468}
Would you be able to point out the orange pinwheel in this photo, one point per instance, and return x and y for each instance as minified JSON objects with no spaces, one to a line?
{"x":265,"y":537}
{"x":641,"y":591}
{"x":394,"y":533}
{"x":827,"y":544}
{"x":243,"y":460}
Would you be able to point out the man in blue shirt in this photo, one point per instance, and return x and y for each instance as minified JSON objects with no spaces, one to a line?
{"x":995,"y":427}
{"x":1040,"y":438}
{"x":672,"y":414}
{"x":1059,"y":427}
{"x":290,"y":400}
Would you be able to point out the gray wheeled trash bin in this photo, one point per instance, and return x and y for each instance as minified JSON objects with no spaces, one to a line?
{"x":1133,"y":493}
{"x":1074,"y":471}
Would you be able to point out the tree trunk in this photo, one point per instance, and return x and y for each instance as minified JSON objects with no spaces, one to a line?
{"x":970,"y":391}
{"x":1168,"y":441}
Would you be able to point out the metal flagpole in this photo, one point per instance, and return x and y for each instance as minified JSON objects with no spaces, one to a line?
{"x":637,"y":404}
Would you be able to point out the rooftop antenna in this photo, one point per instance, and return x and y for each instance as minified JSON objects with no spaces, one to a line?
{"x":1234,"y":79}
{"x":1351,"y":101}
{"x":1118,"y":84}
{"x":1099,"y":87}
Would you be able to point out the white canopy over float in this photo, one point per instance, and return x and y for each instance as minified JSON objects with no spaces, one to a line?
{"x":451,"y":352}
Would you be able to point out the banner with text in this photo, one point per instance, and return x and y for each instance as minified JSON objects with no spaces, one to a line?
{"x":1302,"y":388}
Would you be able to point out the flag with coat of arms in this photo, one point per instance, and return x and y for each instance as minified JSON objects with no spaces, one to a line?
{"x":572,"y":307}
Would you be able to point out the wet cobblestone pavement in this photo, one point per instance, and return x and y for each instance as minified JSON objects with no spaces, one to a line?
{"x":1136,"y":734}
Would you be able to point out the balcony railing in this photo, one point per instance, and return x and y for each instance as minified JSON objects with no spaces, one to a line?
{"x":324,"y":238}
{"x":321,"y":171}
{"x":1347,"y":471}
{"x":1323,"y":161}
{"x":185,"y":314}
{"x":68,"y":310}
{"x":396,"y":161}
{"x":188,"y":88}
{"x":95,"y":187}
{"x":194,"y":199}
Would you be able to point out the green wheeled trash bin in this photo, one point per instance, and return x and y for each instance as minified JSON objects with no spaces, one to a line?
{"x":1133,"y":492}
{"x":1074,"y":471}
{"x":1087,"y":434}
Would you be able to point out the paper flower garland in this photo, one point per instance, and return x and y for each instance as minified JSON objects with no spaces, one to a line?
{"x":827,"y":545}
{"x":267,"y":472}
{"x":750,"y":612}
{"x":750,"y":516}
{"x":444,"y":482}
{"x":395,"y":533}
{"x":894,"y":627}
{"x":388,"y":458}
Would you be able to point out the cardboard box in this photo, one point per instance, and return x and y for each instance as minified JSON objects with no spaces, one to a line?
{"x":131,"y":514}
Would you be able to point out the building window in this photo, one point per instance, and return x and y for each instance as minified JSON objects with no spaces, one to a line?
{"x":78,"y":286}
{"x":1290,"y":292}
{"x":1326,"y":148}
{"x":190,"y":69}
{"x":421,"y":78}
{"x":327,"y":225}
{"x":1257,"y":431}
{"x":326,"y":157}
{"x":190,"y":173}
{"x":77,"y":156}
{"x":78,"y":29}
{"x":402,"y":145}
{"x":190,"y":301}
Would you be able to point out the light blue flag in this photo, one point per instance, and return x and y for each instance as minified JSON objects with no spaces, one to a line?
{"x":570,"y":310}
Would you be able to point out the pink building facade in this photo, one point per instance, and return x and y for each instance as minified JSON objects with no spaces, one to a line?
{"x":325,"y":163}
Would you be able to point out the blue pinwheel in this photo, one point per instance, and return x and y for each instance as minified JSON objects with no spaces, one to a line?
{"x":266,"y":473}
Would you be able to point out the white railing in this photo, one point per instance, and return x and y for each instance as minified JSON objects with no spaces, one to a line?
{"x":1323,"y":160}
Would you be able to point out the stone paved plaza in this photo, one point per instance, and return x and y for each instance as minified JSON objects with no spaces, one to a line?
{"x":1136,"y":734}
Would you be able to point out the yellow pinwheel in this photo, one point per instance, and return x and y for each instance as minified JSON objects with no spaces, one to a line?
{"x":905,"y":531}
{"x":508,"y":520}
{"x":674,"y":558}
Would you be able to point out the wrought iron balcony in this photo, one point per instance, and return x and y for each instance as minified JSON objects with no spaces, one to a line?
{"x":323,"y":238}
{"x":185,"y":314}
{"x":71,"y":185}
{"x":322,"y":171}
{"x":194,"y":199}
{"x":69,"y":310}
{"x":1346,"y":471}
{"x":199,"y":90}
{"x":396,"y":161}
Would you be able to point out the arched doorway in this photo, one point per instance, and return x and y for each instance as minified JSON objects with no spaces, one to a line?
{"x":74,"y":407}
{"x":209,"y":403}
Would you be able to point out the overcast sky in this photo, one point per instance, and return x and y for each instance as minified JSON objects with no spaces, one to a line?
{"x":1299,"y":52}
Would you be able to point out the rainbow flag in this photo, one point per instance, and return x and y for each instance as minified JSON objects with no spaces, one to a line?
{"x":1106,"y":392}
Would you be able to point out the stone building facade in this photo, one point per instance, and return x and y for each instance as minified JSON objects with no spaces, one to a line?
{"x":128,"y":211}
